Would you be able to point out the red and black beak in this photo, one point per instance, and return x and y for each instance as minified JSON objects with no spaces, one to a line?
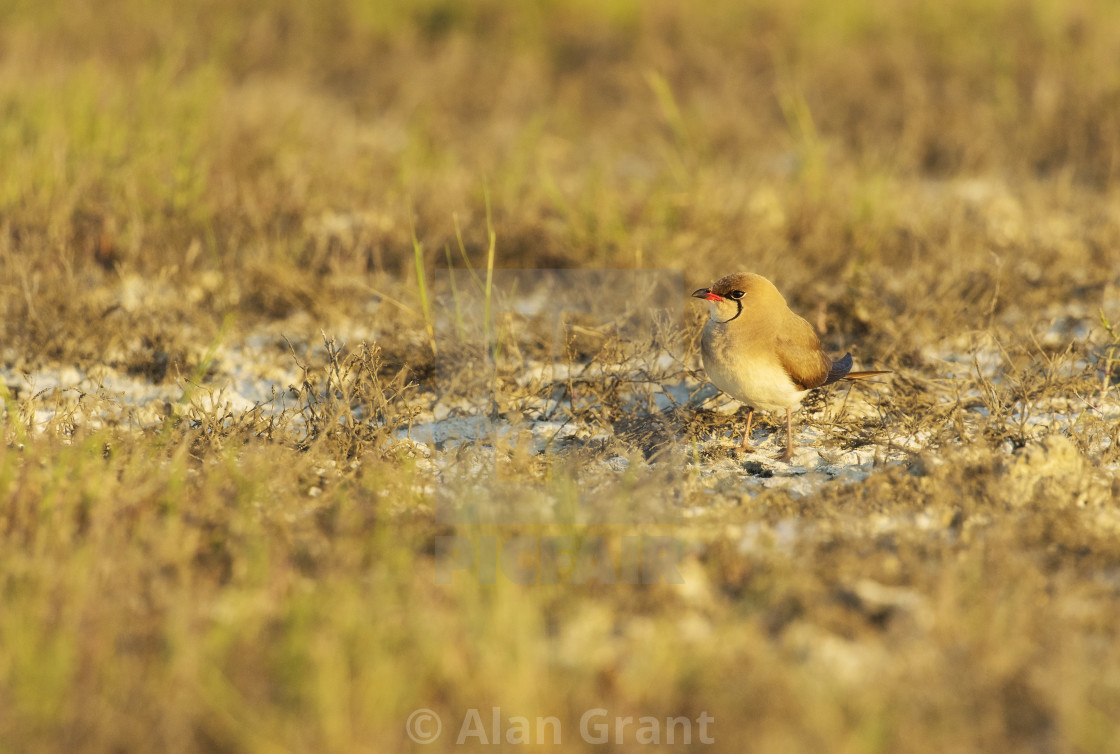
{"x":707,"y":295}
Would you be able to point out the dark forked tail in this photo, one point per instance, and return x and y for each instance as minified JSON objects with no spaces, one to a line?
{"x":842,"y":370}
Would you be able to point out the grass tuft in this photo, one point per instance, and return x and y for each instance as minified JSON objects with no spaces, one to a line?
{"x":230,"y":451}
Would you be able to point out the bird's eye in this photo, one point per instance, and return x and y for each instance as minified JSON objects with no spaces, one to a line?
{"x":736,"y":295}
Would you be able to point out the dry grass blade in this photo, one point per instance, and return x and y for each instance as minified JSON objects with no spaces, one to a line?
{"x":280,"y":465}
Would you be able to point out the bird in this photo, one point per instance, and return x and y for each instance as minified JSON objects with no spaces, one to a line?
{"x":756,"y":350}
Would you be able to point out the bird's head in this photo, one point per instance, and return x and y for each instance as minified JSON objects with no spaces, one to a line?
{"x":731,"y":293}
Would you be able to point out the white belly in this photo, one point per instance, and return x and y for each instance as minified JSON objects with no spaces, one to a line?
{"x":754,"y":379}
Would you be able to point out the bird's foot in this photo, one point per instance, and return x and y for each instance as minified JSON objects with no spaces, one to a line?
{"x":744,"y":448}
{"x":785,"y":456}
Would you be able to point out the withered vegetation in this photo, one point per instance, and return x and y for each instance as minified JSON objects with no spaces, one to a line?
{"x":243,"y":409}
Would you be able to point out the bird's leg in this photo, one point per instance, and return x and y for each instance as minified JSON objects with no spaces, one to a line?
{"x":787,"y":456}
{"x":745,"y":446}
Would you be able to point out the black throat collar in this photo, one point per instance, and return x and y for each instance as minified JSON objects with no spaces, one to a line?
{"x":738,"y":311}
